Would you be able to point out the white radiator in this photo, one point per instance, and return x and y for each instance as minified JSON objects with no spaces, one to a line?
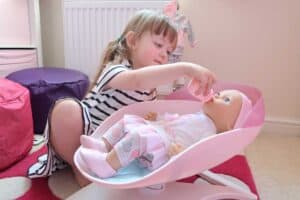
{"x":90,"y":24}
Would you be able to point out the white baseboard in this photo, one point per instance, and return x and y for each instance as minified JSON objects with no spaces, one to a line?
{"x":281,"y":126}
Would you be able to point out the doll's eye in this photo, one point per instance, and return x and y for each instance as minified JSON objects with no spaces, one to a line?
{"x":227,"y":99}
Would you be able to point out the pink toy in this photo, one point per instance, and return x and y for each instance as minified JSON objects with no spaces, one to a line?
{"x":197,"y":158}
{"x":246,"y":103}
{"x":192,"y":88}
{"x":16,"y":126}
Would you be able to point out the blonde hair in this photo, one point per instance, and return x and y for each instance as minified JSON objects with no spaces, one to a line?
{"x":144,"y":20}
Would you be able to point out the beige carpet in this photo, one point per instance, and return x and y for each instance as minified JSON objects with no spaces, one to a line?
{"x":275,"y":163}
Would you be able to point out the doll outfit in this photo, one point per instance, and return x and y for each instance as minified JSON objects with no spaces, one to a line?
{"x":173,"y":128}
{"x":98,"y":104}
{"x":133,"y":137}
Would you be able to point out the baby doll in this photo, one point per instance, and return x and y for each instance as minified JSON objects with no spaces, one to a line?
{"x":153,"y":139}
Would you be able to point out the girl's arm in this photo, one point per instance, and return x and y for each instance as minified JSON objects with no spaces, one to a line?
{"x":152,"y":76}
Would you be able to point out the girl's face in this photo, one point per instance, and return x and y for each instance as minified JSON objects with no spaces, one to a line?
{"x":150,"y":49}
{"x":224,"y":108}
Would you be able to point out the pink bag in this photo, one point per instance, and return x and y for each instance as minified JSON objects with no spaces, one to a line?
{"x":16,"y":126}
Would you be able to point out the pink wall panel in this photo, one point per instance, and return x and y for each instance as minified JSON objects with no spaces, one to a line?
{"x":14,"y":23}
{"x":14,"y":60}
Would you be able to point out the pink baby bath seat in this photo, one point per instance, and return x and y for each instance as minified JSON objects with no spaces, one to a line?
{"x":197,"y":158}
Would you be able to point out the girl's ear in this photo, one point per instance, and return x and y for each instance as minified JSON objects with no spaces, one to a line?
{"x":130,"y":39}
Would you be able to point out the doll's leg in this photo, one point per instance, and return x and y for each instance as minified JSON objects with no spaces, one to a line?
{"x":97,"y":163}
{"x":108,"y":139}
{"x":94,"y":143}
{"x":134,"y":145}
{"x":105,"y":165}
{"x":114,"y":134}
{"x":125,"y":151}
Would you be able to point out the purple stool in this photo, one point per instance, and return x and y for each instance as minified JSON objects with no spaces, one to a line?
{"x":48,"y":84}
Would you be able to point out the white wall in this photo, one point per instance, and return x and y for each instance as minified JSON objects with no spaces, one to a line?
{"x":255,"y":42}
{"x":52,"y":32}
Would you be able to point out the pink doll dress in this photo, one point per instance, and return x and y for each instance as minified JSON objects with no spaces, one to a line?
{"x":172,"y":128}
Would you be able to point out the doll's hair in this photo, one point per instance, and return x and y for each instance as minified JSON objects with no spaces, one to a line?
{"x":144,"y":20}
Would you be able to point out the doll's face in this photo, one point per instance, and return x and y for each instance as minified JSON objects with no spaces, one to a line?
{"x":224,"y":109}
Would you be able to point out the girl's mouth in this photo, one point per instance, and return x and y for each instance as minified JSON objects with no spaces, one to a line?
{"x":157,"y":62}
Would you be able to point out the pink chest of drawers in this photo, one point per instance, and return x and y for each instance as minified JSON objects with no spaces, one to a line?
{"x":16,"y":59}
{"x":20,"y":39}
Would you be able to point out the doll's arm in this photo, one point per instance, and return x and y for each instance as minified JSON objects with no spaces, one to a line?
{"x":175,"y":149}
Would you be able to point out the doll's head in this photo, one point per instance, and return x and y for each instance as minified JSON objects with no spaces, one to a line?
{"x":228,"y":109}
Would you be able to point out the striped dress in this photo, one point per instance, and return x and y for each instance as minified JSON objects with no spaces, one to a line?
{"x":102,"y":101}
{"x":98,"y":104}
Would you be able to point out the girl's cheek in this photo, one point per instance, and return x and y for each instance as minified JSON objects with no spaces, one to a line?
{"x":152,"y":51}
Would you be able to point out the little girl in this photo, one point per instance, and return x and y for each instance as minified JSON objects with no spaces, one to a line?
{"x":133,"y":66}
{"x":153,"y":142}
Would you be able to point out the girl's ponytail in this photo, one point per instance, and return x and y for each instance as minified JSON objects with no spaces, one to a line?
{"x":115,"y":52}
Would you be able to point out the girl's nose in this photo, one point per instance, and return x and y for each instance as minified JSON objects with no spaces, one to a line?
{"x":164,"y":53}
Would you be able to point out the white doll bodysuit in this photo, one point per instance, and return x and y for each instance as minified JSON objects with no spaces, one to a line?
{"x":186,"y":129}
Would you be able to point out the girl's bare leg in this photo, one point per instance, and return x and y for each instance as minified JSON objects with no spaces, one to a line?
{"x":66,"y":126}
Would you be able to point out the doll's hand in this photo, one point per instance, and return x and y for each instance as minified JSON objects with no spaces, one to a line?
{"x":175,"y":149}
{"x":151,"y":116}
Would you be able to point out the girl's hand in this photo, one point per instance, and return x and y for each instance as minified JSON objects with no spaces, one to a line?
{"x":203,"y":77}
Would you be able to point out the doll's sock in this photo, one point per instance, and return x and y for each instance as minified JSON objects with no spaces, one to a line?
{"x":96,"y":162}
{"x":93,"y":143}
{"x":115,"y":133}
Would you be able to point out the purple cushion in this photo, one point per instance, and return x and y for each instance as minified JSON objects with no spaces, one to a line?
{"x":48,"y":84}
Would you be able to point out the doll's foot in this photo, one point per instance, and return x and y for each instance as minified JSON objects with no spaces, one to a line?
{"x":96,"y":162}
{"x":93,"y":143}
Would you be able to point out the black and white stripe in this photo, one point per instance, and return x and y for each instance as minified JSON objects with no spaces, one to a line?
{"x":96,"y":107}
{"x":102,"y":103}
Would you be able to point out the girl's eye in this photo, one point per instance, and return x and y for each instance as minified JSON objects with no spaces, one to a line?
{"x":169,"y":52}
{"x":158,"y":44}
